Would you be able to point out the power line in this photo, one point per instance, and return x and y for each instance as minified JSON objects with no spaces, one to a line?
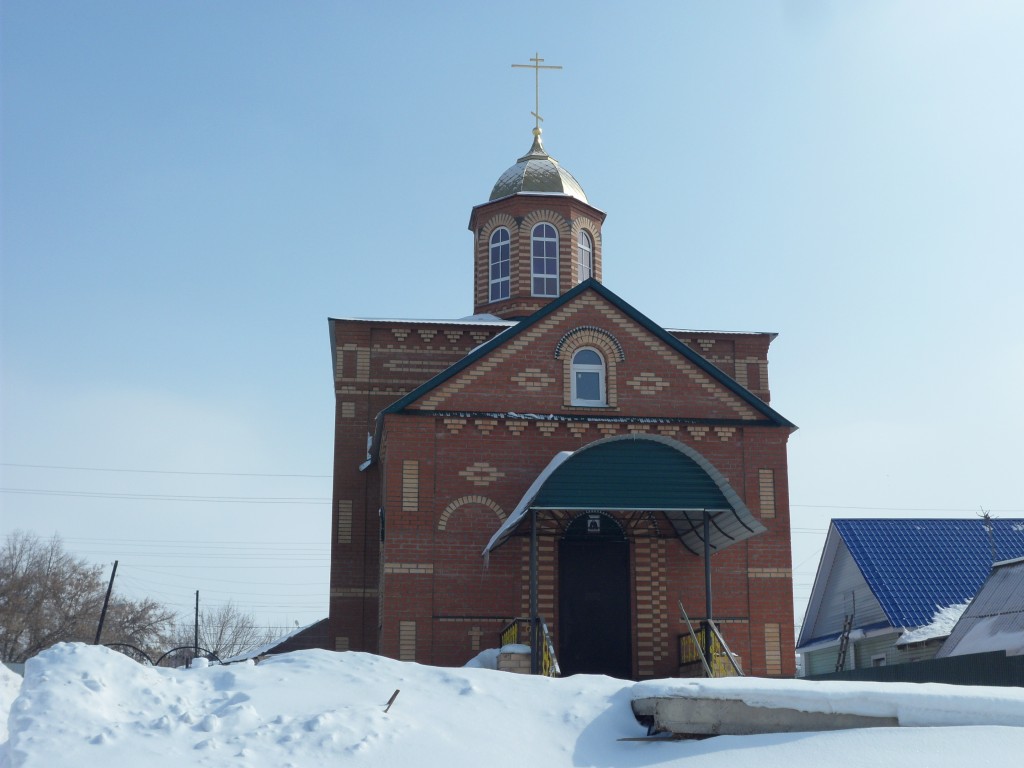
{"x":900,"y":509}
{"x":169,"y":497}
{"x":156,"y":471}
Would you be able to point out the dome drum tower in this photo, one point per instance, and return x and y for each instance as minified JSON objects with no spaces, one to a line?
{"x":535,"y":238}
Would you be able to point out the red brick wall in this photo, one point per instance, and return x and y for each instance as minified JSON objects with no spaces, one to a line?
{"x":426,"y":593}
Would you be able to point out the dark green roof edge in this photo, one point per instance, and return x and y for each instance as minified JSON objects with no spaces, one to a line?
{"x":634,"y":314}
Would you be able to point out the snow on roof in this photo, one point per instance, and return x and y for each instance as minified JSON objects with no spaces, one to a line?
{"x":470,"y":320}
{"x":519,"y":512}
{"x":942,"y":624}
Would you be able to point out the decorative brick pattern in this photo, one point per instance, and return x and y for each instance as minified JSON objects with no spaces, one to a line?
{"x":499,"y":356}
{"x":706,"y":344}
{"x":344,"y":521}
{"x":411,"y":568}
{"x":353,"y":592}
{"x":606,"y":344}
{"x":725,"y":433}
{"x":516,"y":426}
{"x":772,"y":649}
{"x":442,"y":523}
{"x":638,"y":429}
{"x":647,"y":383}
{"x":348,"y":410}
{"x":608,"y":428}
{"x":401,"y":333}
{"x":454,"y":425}
{"x":697,"y":432}
{"x":742,"y":376}
{"x":545,"y":580}
{"x":410,"y":486}
{"x":651,"y":606}
{"x":407,"y":641}
{"x":766,"y":492}
{"x":453,"y":336}
{"x":426,"y":333}
{"x":423,"y":369}
{"x":485,"y":426}
{"x":770,"y":573}
{"x":480,"y":473}
{"x":578,"y":428}
{"x":547,"y":428}
{"x":479,"y":336}
{"x":684,"y":366}
{"x":589,"y":336}
{"x":668,"y":430}
{"x":533,"y":380}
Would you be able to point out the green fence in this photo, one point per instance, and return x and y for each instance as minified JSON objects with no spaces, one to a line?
{"x":995,"y":668}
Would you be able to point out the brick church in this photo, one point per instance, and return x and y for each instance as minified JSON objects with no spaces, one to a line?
{"x":556,"y":454}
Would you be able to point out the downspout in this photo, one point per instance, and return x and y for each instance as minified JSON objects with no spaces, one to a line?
{"x":534,"y":623}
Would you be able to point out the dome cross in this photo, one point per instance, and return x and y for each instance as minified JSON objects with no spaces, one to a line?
{"x":537,"y":66}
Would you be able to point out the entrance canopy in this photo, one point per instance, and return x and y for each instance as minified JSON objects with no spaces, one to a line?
{"x":640,"y":473}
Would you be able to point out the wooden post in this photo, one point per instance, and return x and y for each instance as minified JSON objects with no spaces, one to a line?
{"x":195,"y":649}
{"x":106,"y":602}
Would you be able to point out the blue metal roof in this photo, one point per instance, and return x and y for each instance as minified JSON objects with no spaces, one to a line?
{"x":915,"y":567}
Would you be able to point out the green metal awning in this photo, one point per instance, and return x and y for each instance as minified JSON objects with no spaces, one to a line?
{"x":641,"y":473}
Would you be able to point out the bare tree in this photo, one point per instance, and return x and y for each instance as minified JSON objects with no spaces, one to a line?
{"x":46,"y":596}
{"x":145,"y":624}
{"x":49,"y":596}
{"x":226,"y":631}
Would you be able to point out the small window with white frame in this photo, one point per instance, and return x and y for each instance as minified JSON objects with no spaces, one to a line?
{"x":499,"y":261}
{"x":588,"y":377}
{"x":544,"y":253}
{"x":585,"y":255}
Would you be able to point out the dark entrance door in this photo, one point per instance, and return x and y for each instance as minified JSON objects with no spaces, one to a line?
{"x":593,"y":599}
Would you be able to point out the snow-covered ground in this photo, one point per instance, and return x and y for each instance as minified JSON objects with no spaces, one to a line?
{"x":89,"y":706}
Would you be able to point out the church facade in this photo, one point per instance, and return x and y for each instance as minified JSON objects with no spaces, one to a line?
{"x":556,"y":450}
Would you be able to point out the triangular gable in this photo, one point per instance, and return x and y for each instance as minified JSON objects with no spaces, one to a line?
{"x":839,"y":590}
{"x":433,"y":394}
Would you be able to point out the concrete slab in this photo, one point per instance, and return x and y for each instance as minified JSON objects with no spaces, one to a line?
{"x":701,"y":717}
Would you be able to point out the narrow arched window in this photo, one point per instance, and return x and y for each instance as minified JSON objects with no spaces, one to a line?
{"x":544,"y":250}
{"x":499,"y":264}
{"x":588,"y":377}
{"x":585,"y":255}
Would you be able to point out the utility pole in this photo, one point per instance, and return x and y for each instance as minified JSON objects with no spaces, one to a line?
{"x":195,"y":649}
{"x":106,"y":602}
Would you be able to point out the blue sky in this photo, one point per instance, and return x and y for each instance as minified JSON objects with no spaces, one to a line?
{"x":190,"y":189}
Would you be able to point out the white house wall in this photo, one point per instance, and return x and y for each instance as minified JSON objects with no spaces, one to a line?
{"x":845,"y":592}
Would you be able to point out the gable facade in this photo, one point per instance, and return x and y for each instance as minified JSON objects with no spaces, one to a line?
{"x":442,"y":427}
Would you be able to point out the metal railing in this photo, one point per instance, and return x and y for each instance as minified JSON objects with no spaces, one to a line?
{"x":705,"y":645}
{"x":517,"y":632}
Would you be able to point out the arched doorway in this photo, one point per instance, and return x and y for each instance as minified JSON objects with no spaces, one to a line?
{"x":594,"y":627}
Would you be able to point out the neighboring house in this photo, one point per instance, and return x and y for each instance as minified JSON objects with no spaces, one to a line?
{"x":558,"y":403}
{"x":299,"y":639}
{"x":995,"y":619}
{"x":888,"y":591}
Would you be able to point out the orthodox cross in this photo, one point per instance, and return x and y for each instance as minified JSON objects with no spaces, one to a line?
{"x":537,"y":66}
